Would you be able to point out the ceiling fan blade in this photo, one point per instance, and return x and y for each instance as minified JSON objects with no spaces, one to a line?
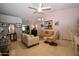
{"x":32,"y":8}
{"x":39,"y":8}
{"x":40,"y":5}
{"x":46,"y":8}
{"x":34,"y":12}
{"x":38,"y":13}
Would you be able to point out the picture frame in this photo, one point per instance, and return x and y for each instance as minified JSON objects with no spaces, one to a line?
{"x":18,"y":25}
{"x":48,"y":24}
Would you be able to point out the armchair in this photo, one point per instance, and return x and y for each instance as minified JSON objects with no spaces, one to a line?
{"x":30,"y":40}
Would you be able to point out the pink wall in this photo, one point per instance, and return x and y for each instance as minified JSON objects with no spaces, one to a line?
{"x":66,"y":18}
{"x":72,"y":12}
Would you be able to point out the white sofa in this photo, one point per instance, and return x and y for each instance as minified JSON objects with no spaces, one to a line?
{"x":30,"y":40}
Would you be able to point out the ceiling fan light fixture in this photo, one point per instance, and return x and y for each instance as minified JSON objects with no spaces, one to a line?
{"x":39,"y":10}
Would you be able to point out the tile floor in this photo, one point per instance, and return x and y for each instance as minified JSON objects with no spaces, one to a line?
{"x":64,"y":48}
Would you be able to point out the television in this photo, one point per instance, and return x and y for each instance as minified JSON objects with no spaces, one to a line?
{"x":26,"y":29}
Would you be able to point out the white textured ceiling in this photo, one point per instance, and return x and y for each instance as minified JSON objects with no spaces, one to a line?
{"x":21,"y":9}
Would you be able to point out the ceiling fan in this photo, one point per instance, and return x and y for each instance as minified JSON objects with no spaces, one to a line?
{"x":40,"y":9}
